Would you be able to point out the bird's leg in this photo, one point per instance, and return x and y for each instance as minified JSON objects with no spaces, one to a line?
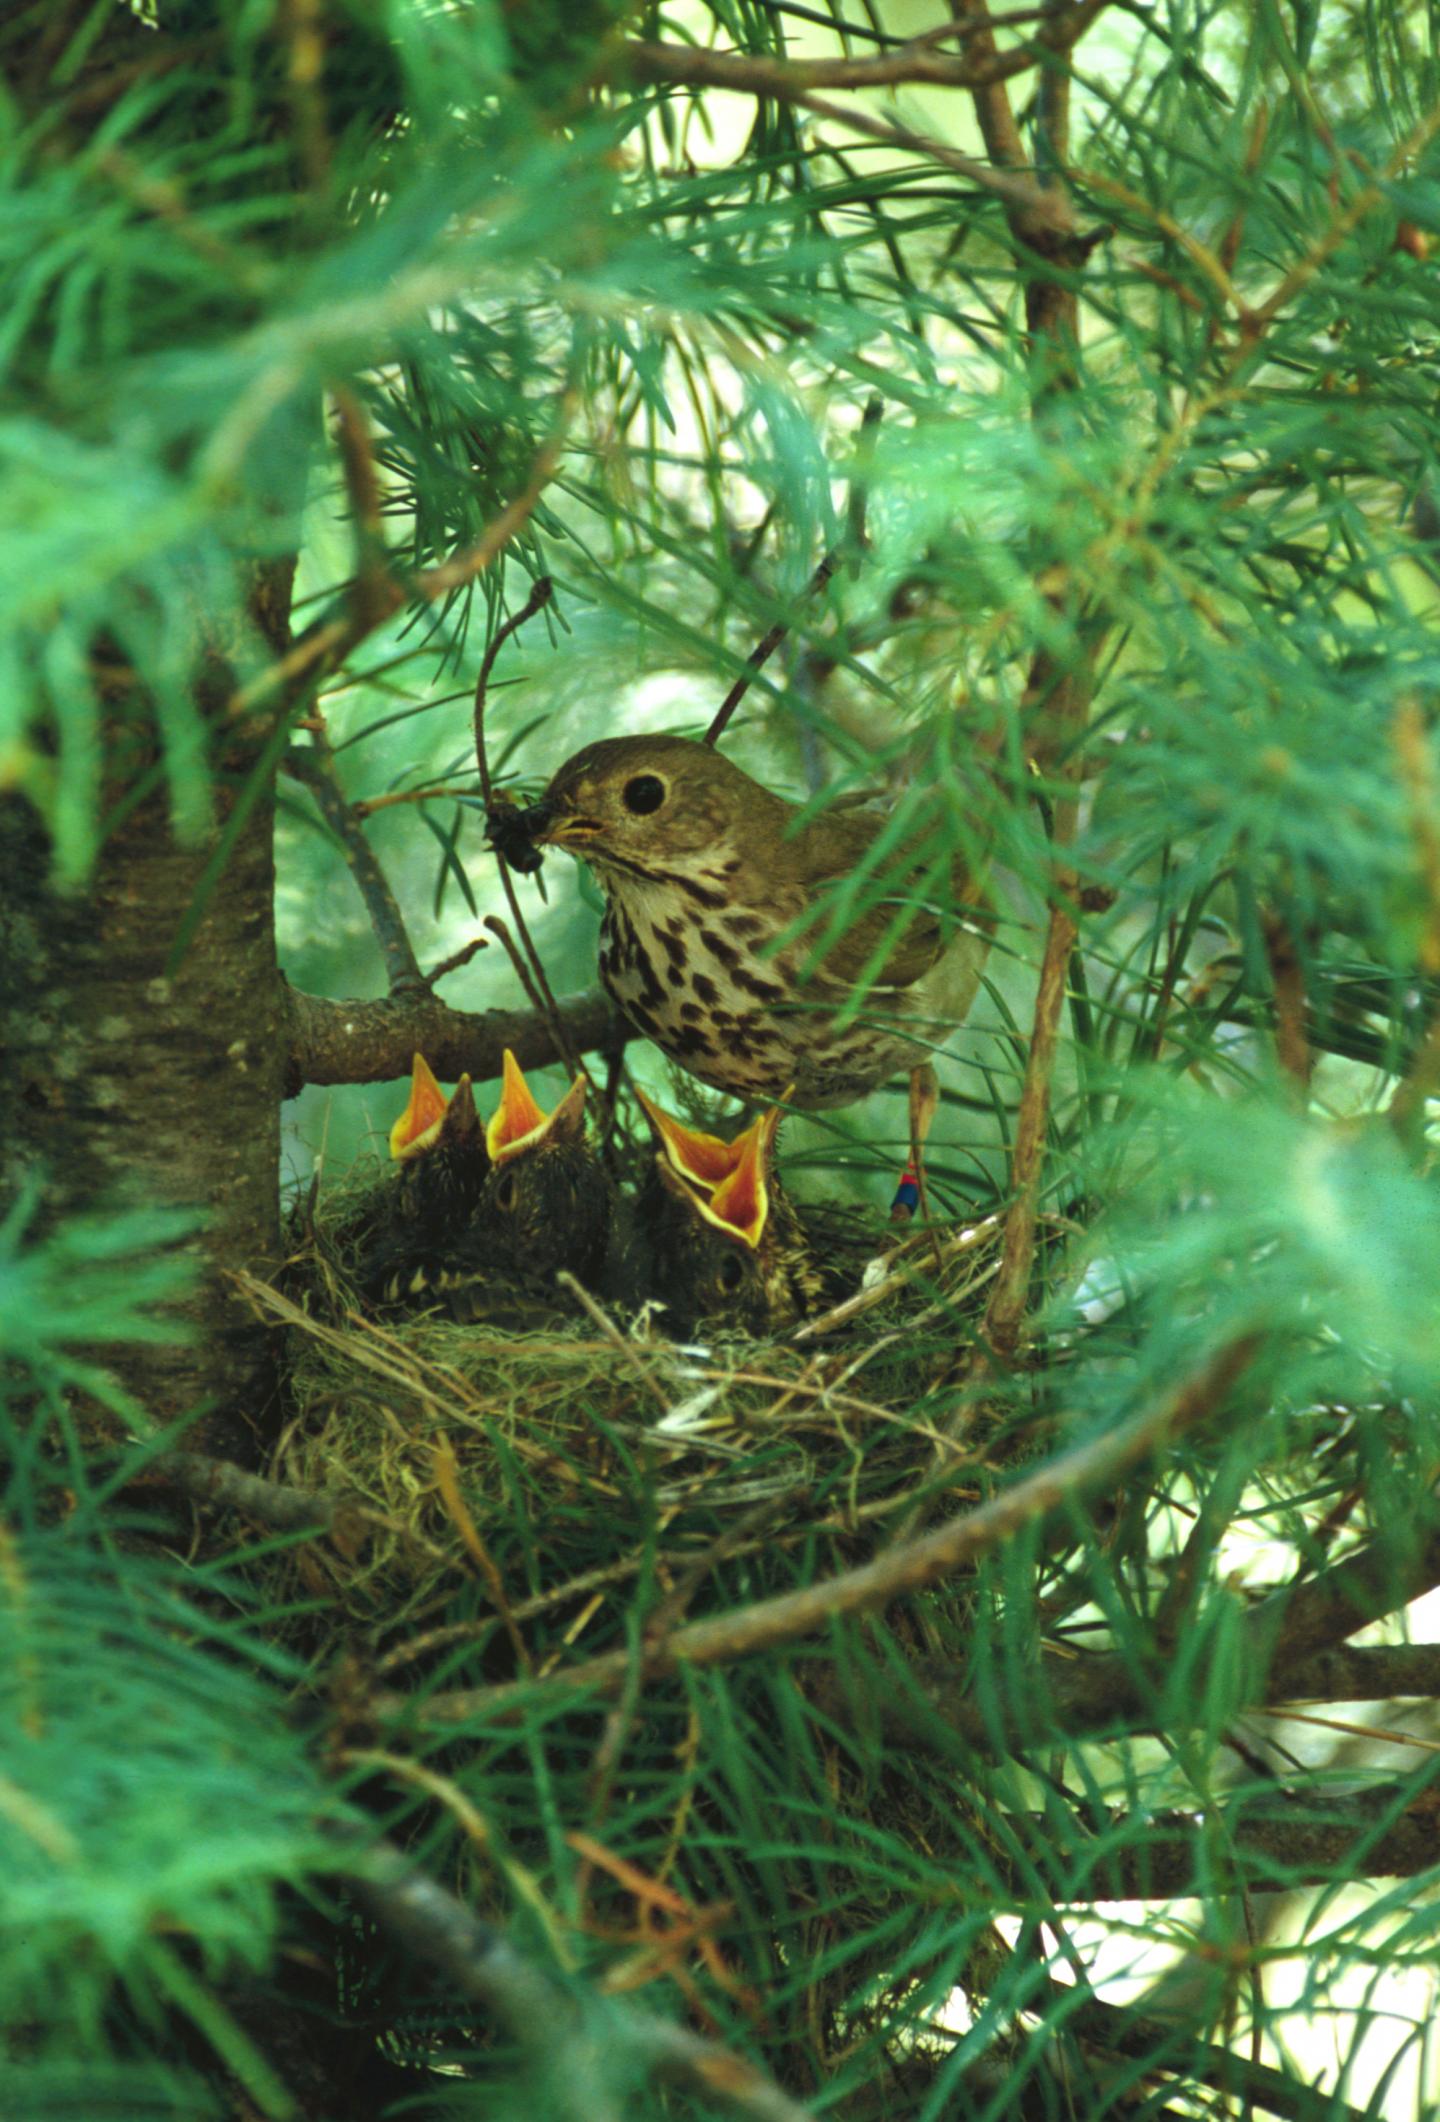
{"x":924,"y":1102}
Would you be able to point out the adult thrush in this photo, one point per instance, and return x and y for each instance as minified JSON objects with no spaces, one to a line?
{"x":728,"y":1248}
{"x":711,"y":884}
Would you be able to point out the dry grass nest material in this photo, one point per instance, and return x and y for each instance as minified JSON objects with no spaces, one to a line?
{"x":541,"y":1459}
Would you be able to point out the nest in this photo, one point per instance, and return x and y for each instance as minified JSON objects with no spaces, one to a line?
{"x":538,"y":1467}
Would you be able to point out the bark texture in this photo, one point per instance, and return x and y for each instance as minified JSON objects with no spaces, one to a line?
{"x":371,"y":1042}
{"x":127,"y":1082}
{"x":124,"y":1084}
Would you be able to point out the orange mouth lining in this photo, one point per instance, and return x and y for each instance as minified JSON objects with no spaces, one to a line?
{"x":518,"y":1122}
{"x":419,"y":1125}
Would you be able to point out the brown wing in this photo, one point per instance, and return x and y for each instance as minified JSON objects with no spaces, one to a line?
{"x":837,"y":846}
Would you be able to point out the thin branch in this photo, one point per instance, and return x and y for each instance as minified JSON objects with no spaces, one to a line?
{"x":1045,"y":213}
{"x":456,"y":959}
{"x":1005,"y":1311}
{"x":314,"y":768}
{"x":542,"y":589}
{"x":1412,"y":752}
{"x":764,"y":650}
{"x":854,"y":542}
{"x":374,"y":1042}
{"x":900,"y":1570}
{"x":221,"y":1485}
{"x":1052,"y":315}
{"x":789,"y":80}
{"x":373,"y":587}
{"x":993,"y":110}
{"x":535,"y":984}
{"x":326,"y":644}
{"x":1170,"y":2045}
{"x":440,"y":792}
{"x":1287,"y":977}
{"x":543,"y":2016}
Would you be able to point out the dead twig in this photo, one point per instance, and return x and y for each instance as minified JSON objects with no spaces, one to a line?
{"x":281,"y":1508}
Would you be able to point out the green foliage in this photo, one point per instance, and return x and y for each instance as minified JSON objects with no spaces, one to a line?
{"x":153,"y":1803}
{"x":1214,"y":510}
{"x":92,"y":1281}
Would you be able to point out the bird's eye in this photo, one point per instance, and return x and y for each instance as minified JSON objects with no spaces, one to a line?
{"x":505,"y":1191}
{"x":643,"y":793}
{"x":732,"y":1271}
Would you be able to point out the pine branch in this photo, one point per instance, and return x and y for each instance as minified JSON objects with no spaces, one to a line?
{"x":1169,"y":2045}
{"x":545,"y":2018}
{"x":1282,"y":1645}
{"x":1045,"y":214}
{"x":917,"y":61}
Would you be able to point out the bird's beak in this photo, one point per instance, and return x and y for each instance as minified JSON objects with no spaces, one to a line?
{"x":702,"y":1159}
{"x":461,"y":1122}
{"x":740,"y":1204}
{"x":518,"y":1123}
{"x":572,"y":832}
{"x":558,"y":822}
{"x":418,"y":1127}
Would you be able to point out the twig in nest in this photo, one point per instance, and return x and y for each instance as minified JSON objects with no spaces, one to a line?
{"x":616,"y":1339}
{"x":895,"y":1278}
{"x":447,"y":1480}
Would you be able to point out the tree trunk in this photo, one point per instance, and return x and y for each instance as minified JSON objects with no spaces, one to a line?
{"x":124,"y":1083}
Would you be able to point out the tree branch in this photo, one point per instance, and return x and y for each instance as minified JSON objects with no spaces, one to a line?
{"x":898,"y":1571}
{"x":1282,"y":1644}
{"x":1368,"y":1672}
{"x":373,"y":1042}
{"x":790,"y":80}
{"x":1005,"y":1311}
{"x":1170,"y":2045}
{"x":1046,"y":214}
{"x":1171,"y":1855}
{"x":543,"y":2016}
{"x":314,"y":768}
{"x":221,"y":1485}
{"x":325,"y":645}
